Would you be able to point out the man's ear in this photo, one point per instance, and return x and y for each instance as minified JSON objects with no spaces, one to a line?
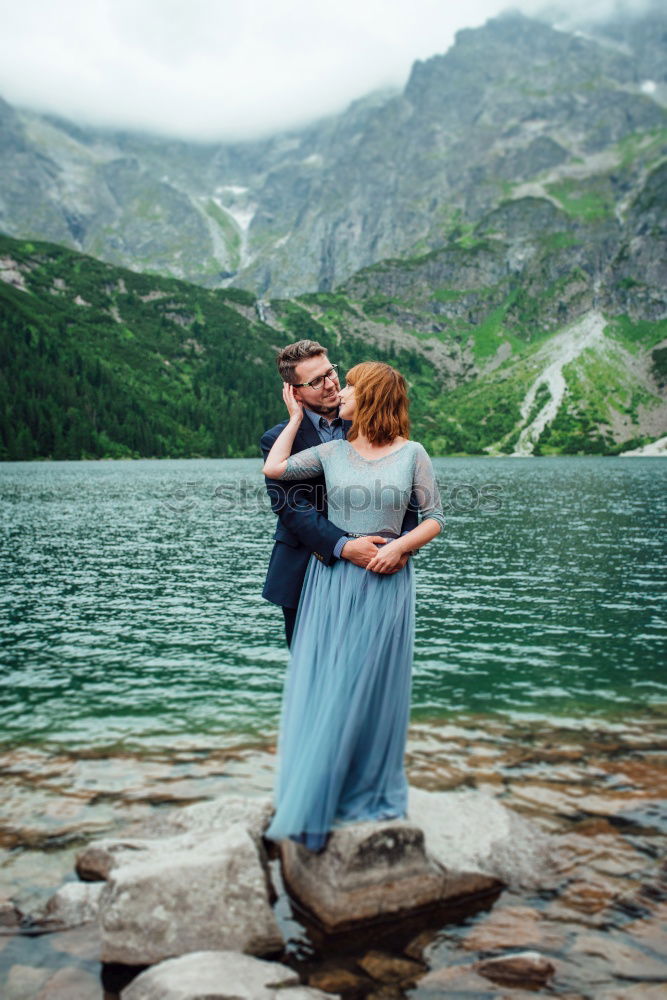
{"x":297,"y":395}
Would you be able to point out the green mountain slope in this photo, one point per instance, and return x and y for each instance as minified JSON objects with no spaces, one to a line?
{"x":97,"y":361}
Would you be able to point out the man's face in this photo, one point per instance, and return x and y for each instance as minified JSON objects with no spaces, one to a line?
{"x":324,"y":399}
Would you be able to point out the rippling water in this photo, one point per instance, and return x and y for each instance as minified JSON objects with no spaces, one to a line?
{"x":132,"y":613}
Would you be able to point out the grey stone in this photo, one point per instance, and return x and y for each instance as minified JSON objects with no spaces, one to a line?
{"x":472,"y":831}
{"x":24,"y":982}
{"x":75,"y":903}
{"x":213,"y":898}
{"x":369,"y":870}
{"x":181,"y":829}
{"x":219,"y":975}
{"x":216,"y":815}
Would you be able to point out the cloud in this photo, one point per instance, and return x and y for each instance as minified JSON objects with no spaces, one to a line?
{"x":209,"y":69}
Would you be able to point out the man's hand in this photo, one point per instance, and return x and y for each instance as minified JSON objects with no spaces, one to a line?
{"x":360,"y":551}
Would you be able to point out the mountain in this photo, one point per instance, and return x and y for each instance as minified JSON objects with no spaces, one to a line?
{"x":514,"y":109}
{"x":498,"y":230}
{"x":98,"y":361}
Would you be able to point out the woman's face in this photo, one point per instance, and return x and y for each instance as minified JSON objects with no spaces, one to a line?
{"x":347,"y":403}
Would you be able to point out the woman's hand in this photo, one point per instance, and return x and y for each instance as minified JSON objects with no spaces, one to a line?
{"x":294,"y":406}
{"x":390,"y":559}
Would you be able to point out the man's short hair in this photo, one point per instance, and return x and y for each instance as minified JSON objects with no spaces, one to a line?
{"x":294,"y":354}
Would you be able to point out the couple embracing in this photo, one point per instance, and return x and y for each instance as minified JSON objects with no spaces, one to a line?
{"x":344,"y":579}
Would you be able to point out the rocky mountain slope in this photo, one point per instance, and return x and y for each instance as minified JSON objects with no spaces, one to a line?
{"x":514,"y":109}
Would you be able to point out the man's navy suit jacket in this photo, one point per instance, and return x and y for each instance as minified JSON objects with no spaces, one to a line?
{"x":302,"y":526}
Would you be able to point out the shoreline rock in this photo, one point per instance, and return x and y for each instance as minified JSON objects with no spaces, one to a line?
{"x":456,"y":847}
{"x":180,"y":830}
{"x":210,"y":898}
{"x":374,"y":871}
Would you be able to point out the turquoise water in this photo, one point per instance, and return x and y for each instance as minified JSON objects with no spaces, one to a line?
{"x":132,"y":615}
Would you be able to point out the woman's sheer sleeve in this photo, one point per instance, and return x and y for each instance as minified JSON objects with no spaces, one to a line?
{"x":425,"y":488}
{"x":305,"y":464}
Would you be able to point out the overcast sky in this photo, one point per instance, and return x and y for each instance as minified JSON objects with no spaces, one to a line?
{"x":223,"y":68}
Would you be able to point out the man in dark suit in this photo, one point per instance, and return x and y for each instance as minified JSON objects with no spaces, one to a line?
{"x":300,"y":504}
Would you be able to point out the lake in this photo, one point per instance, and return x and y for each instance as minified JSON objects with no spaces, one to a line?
{"x":141,"y":667}
{"x":132,"y":610}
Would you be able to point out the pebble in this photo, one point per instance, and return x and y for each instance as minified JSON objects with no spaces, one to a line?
{"x":385,"y":968}
{"x":525,"y":968}
{"x":336,"y":980}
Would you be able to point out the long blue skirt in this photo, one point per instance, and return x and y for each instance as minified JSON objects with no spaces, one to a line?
{"x":346,"y":702}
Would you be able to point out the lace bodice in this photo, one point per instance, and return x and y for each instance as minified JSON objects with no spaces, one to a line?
{"x":370,"y":495}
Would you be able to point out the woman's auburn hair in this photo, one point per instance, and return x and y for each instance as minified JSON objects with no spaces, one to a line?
{"x":381,"y":399}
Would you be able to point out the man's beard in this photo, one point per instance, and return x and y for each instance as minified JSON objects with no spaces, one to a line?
{"x":329,"y":410}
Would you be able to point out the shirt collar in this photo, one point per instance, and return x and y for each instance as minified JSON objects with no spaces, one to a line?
{"x":316,"y":417}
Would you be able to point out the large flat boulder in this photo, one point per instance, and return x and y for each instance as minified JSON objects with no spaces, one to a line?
{"x":216,"y":897}
{"x":220,"y":975}
{"x":453,"y":848}
{"x":179,"y":830}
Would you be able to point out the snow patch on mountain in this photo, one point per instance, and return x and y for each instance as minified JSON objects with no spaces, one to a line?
{"x":655,"y":449}
{"x":563,"y":348}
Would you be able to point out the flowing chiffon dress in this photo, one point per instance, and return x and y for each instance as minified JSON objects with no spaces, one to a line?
{"x":346,"y":701}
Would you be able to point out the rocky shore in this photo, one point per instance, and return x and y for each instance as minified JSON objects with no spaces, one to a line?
{"x":193,"y":898}
{"x":546,"y":877}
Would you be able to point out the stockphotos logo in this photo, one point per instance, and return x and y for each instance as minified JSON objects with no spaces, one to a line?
{"x":249,"y":496}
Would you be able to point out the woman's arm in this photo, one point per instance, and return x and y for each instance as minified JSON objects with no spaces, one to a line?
{"x":389,"y":556}
{"x":276,"y":461}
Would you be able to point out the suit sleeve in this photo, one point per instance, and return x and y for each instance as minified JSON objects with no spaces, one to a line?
{"x":297,"y":514}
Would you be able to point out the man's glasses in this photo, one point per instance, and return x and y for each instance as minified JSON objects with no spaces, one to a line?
{"x":318,"y":381}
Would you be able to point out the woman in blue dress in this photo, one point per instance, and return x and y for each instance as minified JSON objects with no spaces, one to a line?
{"x":346,"y":702}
